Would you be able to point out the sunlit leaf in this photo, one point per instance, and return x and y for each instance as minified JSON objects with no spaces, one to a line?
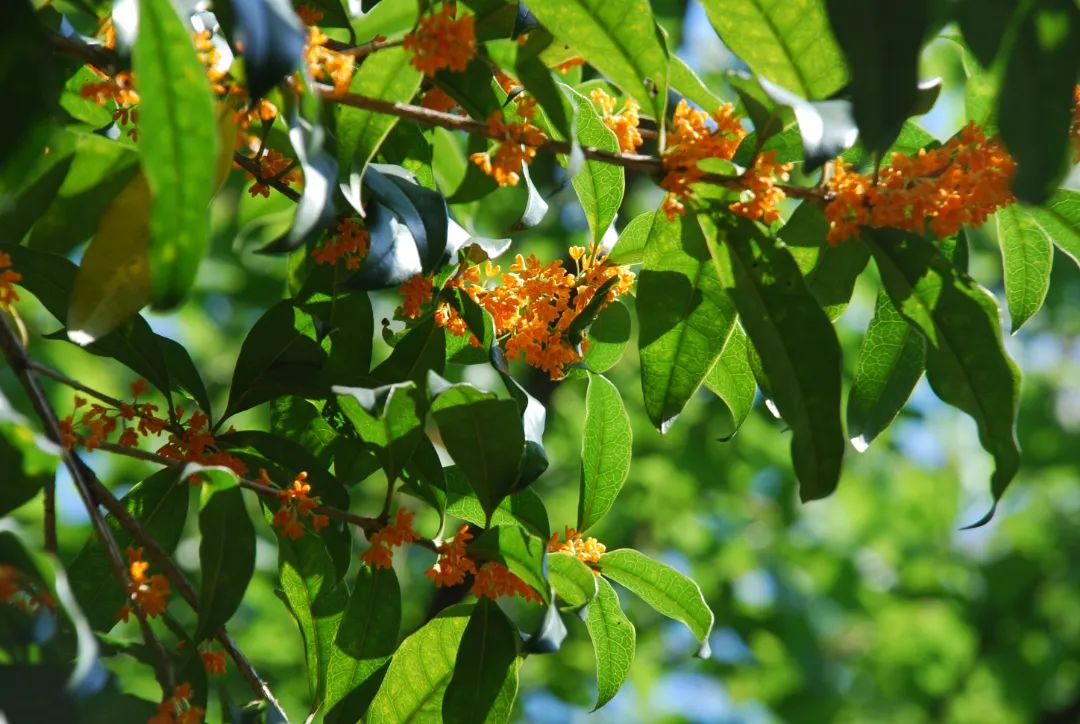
{"x":613,"y":638}
{"x":606,"y":445}
{"x":1027,"y":254}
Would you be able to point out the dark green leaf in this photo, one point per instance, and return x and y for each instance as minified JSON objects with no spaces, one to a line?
{"x":421,"y":350}
{"x":178,"y":141}
{"x":798,"y":347}
{"x":966,"y":362}
{"x":613,"y":638}
{"x":31,"y":86}
{"x":606,"y":446}
{"x":523,"y":508}
{"x":29,"y":459}
{"x":830,"y":270}
{"x":390,"y":418}
{"x":485,"y":657}
{"x":226,"y":550}
{"x":891,"y":360}
{"x":789,"y":42}
{"x":985,"y":23}
{"x":684,"y":314}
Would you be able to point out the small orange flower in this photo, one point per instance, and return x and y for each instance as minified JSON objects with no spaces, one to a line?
{"x":324,"y":63}
{"x":437,"y":99}
{"x":8,"y":277}
{"x":760,"y":195}
{"x":493,"y":580}
{"x":587,"y":550}
{"x":623,"y":124}
{"x":442,"y":40}
{"x":214,"y":662}
{"x":178,"y":709}
{"x":516,"y":144}
{"x":396,"y":534}
{"x":349,"y":243}
{"x":296,"y":503}
{"x":309,"y":15}
{"x":1074,"y":128}
{"x":565,"y":66}
{"x":453,"y":563}
{"x":150,"y":592}
{"x":417,"y":292}
{"x":691,"y":140}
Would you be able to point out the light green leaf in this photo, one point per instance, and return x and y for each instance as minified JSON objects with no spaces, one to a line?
{"x":797,"y":344}
{"x":1027,"y":254}
{"x":630,"y":246}
{"x":620,"y":39}
{"x":606,"y":446}
{"x":486,"y":656}
{"x":178,"y":141}
{"x":573,"y":580}
{"x":613,"y":638}
{"x":685,"y":81}
{"x":1060,"y":220}
{"x":684,"y":314}
{"x":226,"y":550}
{"x":386,"y":76}
{"x":523,"y":508}
{"x":732,"y":379}
{"x":608,"y":336}
{"x":787,"y":41}
{"x":662,"y":587}
{"x":891,"y":360}
{"x":966,"y":362}
{"x":599,"y":185}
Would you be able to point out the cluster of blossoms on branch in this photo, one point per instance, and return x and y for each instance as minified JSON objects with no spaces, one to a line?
{"x":8,"y":278}
{"x":586,"y":550}
{"x":623,"y":124}
{"x":390,"y":536}
{"x":21,"y":591}
{"x":297,"y":504}
{"x":442,"y":40}
{"x":961,"y":182}
{"x":178,"y":709}
{"x":491,"y":579}
{"x":149,"y":593}
{"x":533,"y":306}
{"x":349,"y":243}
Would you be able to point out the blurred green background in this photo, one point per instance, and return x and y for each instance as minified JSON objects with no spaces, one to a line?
{"x":869,"y":606}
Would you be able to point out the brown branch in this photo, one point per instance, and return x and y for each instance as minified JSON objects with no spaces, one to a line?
{"x":182,"y":584}
{"x":19,"y":361}
{"x":361,"y":50}
{"x":252,"y":166}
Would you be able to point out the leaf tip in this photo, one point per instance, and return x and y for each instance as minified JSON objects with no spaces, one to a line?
{"x":860,"y":443}
{"x":983,"y":520}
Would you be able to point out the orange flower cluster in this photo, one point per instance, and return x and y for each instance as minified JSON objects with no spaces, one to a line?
{"x":623,"y":124}
{"x":417,"y":291}
{"x":8,"y":277}
{"x":120,"y":89}
{"x":308,"y":15}
{"x":210,"y":57}
{"x":437,"y":99}
{"x":273,"y":165}
{"x":493,"y":580}
{"x":1074,"y":128}
{"x":195,"y":444}
{"x":516,"y":145}
{"x":149,"y":592}
{"x":398,"y":533}
{"x":760,"y":195}
{"x":565,"y":66}
{"x":213,"y":661}
{"x":21,"y":591}
{"x":350,"y":243}
{"x":296,"y":503}
{"x":99,"y":421}
{"x":690,"y":141}
{"x":962,"y":182}
{"x":178,"y":709}
{"x":453,"y":562}
{"x":442,"y":41}
{"x":587,"y":550}
{"x":324,"y":63}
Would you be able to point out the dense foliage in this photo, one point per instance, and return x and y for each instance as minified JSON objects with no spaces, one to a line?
{"x":466,"y":174}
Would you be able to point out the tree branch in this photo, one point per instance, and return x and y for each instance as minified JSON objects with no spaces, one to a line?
{"x":252,"y":166}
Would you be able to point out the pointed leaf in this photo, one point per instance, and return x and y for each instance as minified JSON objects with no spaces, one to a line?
{"x":1027,"y":254}
{"x":613,"y":638}
{"x":573,"y":580}
{"x":391,"y":418}
{"x":732,"y":379}
{"x":272,"y":38}
{"x":485,"y":657}
{"x":226,"y":550}
{"x":798,"y":347}
{"x":1059,"y":218}
{"x":599,"y":186}
{"x":684,"y":314}
{"x":605,"y":451}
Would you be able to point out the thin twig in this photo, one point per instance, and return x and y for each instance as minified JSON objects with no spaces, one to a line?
{"x":361,"y":50}
{"x":19,"y":361}
{"x":182,"y":584}
{"x":253,"y":168}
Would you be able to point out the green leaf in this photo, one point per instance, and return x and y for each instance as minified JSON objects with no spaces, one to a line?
{"x":573,"y":580}
{"x":1027,"y":255}
{"x":518,"y":550}
{"x":386,"y":76}
{"x":1035,"y":102}
{"x":298,"y":420}
{"x":365,"y":640}
{"x":732,"y":379}
{"x":523,"y":508}
{"x":798,"y":346}
{"x":29,"y":459}
{"x":160,"y":504}
{"x":608,"y":336}
{"x":985,"y":24}
{"x":1060,"y":220}
{"x":484,"y":436}
{"x":882,"y":42}
{"x":966,"y":362}
{"x":421,"y":350}
{"x":830,"y":270}
{"x":226,"y":550}
{"x":34,"y":189}
{"x":613,"y":638}
{"x":787,"y":41}
{"x":606,"y":446}
{"x":31,"y":87}
{"x":278,"y":357}
{"x":891,"y":360}
{"x":351,"y":328}
{"x":662,"y":587}
{"x":391,"y":418}
{"x":683,"y":79}
{"x":630,"y":246}
{"x":685,"y":317}
{"x":485,"y":657}
{"x":414,"y":685}
{"x":619,"y":39}
{"x":316,"y":600}
{"x":599,"y":185}
{"x":178,"y":142}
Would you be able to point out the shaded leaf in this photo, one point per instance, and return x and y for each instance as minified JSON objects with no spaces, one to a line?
{"x":485,"y":657}
{"x":732,"y":379}
{"x":1059,"y":218}
{"x":272,"y":38}
{"x":226,"y":550}
{"x":608,"y":336}
{"x":390,"y":418}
